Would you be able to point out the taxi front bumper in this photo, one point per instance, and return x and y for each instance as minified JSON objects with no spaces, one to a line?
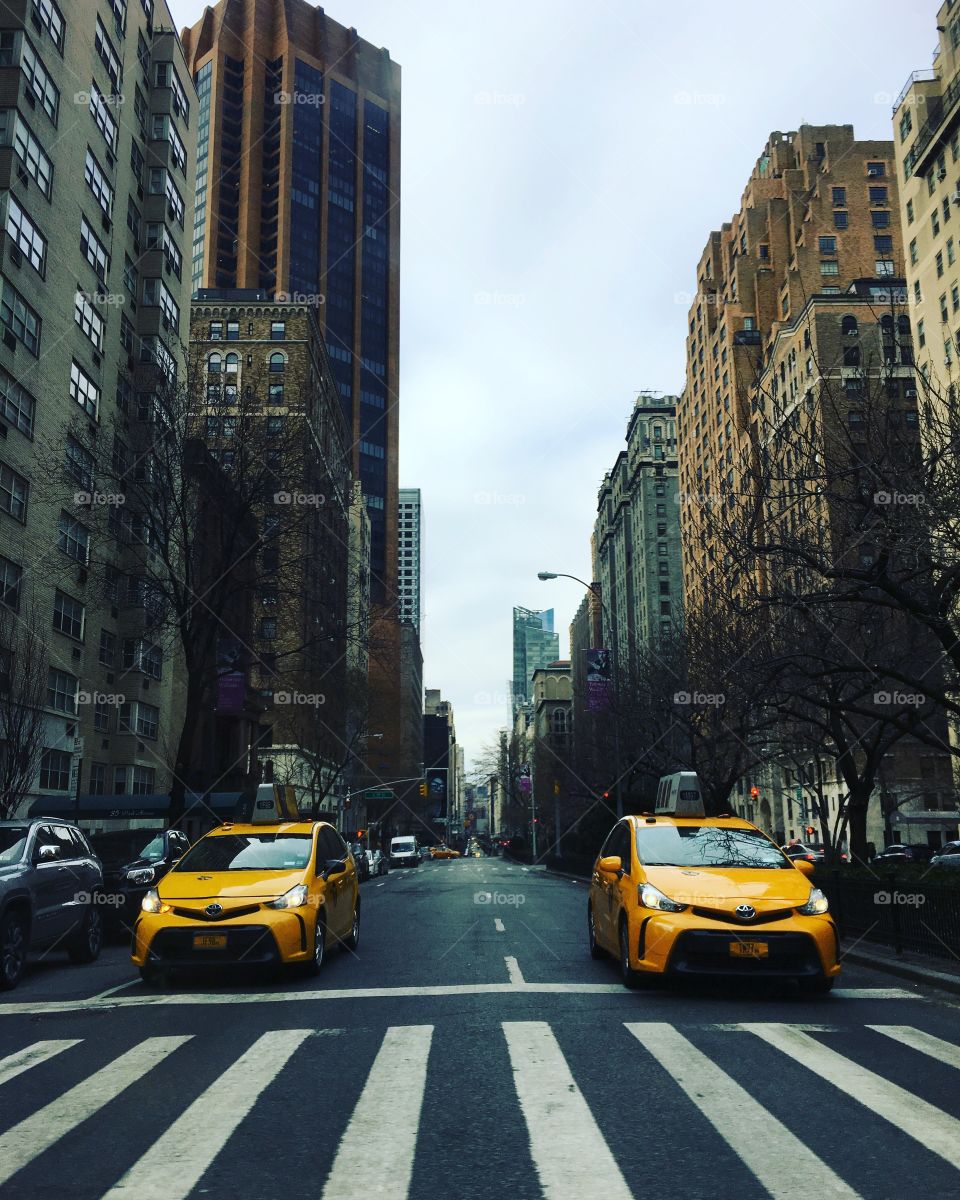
{"x":263,"y":935}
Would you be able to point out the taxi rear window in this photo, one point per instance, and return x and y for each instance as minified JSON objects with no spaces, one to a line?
{"x":248,"y":852}
{"x":707,"y":846}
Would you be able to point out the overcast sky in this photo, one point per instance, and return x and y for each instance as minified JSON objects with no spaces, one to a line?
{"x":563,"y":165}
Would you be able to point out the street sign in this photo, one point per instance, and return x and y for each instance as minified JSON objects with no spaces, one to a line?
{"x":379,"y":794}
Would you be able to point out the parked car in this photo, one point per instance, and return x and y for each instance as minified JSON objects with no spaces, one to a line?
{"x":947,"y":855}
{"x":51,"y":888}
{"x":361,"y":861}
{"x":379,"y":864}
{"x":902,"y":853}
{"x":134,"y":860}
{"x":813,"y":852}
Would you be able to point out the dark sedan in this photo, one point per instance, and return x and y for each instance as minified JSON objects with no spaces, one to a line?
{"x":900,"y":853}
{"x":947,"y":856}
{"x":134,"y":860}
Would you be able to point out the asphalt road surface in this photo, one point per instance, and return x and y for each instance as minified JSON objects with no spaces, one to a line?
{"x":471,"y":1048}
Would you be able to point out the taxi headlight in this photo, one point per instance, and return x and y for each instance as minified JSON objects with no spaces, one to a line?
{"x":295,"y":898}
{"x":651,"y":897}
{"x":152,"y":903}
{"x":816,"y":904}
{"x":141,"y":875}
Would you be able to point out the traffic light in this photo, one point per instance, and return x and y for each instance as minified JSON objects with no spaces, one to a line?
{"x":810,"y":831}
{"x":423,"y":788}
{"x":754,"y":792}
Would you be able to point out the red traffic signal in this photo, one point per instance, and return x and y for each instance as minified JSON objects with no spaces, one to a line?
{"x":754,"y":791}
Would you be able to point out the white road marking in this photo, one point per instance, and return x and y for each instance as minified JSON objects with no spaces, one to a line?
{"x":119,"y":988}
{"x":377,"y":1150}
{"x":932,"y":1128}
{"x":498,"y":924}
{"x":568,"y":1150}
{"x":759,"y":1139}
{"x":176,"y":1161}
{"x":31,"y":1056}
{"x":513,"y":970}
{"x":179,"y":999}
{"x":22,"y":1143}
{"x":380,"y":885}
{"x":926,"y":1043}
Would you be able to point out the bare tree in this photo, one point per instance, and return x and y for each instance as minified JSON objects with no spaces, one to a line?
{"x":23,"y":697}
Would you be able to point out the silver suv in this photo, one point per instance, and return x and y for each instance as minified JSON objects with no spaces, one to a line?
{"x":50,"y":885}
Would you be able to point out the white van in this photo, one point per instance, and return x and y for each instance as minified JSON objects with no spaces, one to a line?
{"x":679,"y":795}
{"x":403,"y":852}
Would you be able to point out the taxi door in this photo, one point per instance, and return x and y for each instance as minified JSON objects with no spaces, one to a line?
{"x":337,"y":890}
{"x":606,"y":888}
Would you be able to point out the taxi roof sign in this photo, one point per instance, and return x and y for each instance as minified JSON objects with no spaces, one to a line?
{"x":273,"y":802}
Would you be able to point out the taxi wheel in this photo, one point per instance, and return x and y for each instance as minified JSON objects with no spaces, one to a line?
{"x":596,"y":951}
{"x":631,"y":978}
{"x":152,"y":975}
{"x":352,"y":940}
{"x":319,"y":947}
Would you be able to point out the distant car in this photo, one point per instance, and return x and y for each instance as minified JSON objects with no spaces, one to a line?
{"x":403,"y":852}
{"x":947,"y":855}
{"x":51,"y":886}
{"x":443,"y":851}
{"x":379,"y":865}
{"x":134,"y":860}
{"x":901,"y":853}
{"x":424,"y":852}
{"x":361,"y":861}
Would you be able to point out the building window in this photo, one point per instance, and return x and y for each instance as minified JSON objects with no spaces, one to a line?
{"x":830,"y":268}
{"x":144,"y":781}
{"x":839,"y":197}
{"x":61,"y":691}
{"x":935,"y":221}
{"x":11,"y":577}
{"x":73,"y":538}
{"x":277,"y":362}
{"x":233,"y":331}
{"x":19,"y":318}
{"x":828,"y":245}
{"x":98,"y":779}
{"x":139,"y":718}
{"x":84,"y":390}
{"x":939,"y":263}
{"x":13,"y":493}
{"x":876,"y":170}
{"x":55,"y":771}
{"x":98,"y":183}
{"x":883,"y":243}
{"x":884,"y":266}
{"x":921,"y":334}
{"x":268,"y":628}
{"x":840,"y":220}
{"x":93,"y":250}
{"x":909,"y":212}
{"x":89,"y":320}
{"x":951,"y":253}
{"x":278,"y":331}
{"x":878,"y":195}
{"x":16,"y":404}
{"x":232,"y":364}
{"x":108,"y":648}
{"x":914,"y":257}
{"x":880,"y":219}
{"x":214,"y":364}
{"x":26,"y":236}
{"x":68,"y":615}
{"x":103,"y":118}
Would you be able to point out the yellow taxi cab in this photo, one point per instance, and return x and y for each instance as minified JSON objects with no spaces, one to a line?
{"x":443,"y":852}
{"x":272,"y":891}
{"x":708,"y":896}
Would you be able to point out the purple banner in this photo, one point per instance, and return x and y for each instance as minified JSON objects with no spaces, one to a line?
{"x":231,"y":693}
{"x":599,"y":682}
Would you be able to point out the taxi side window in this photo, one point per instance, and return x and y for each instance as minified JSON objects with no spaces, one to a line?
{"x":610,"y":845}
{"x":328,"y":846}
{"x":622,"y":846}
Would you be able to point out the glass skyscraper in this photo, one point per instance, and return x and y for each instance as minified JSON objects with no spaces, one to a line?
{"x":534,"y":645}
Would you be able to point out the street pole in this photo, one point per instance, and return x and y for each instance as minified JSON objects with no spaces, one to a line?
{"x":615,"y":671}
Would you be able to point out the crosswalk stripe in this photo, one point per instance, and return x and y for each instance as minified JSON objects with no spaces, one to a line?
{"x":30,"y":1056}
{"x":760,"y":1140}
{"x":930,"y":1126}
{"x":926,"y":1043}
{"x":175,"y":1162}
{"x":36,"y":1133}
{"x":568,"y":1150}
{"x":376,"y":1151}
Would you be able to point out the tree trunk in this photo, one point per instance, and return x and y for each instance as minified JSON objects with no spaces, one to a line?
{"x":857,"y":806}
{"x":183,"y":770}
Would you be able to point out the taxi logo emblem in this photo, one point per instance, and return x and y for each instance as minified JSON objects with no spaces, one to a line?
{"x":746,"y":912}
{"x":213,"y":910}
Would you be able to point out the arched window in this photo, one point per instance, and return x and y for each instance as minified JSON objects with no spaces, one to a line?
{"x":215,"y":364}
{"x":232,"y":364}
{"x":903,"y":324}
{"x":886,"y":324}
{"x":277,"y":362}
{"x":658,"y":433}
{"x":849,"y":325}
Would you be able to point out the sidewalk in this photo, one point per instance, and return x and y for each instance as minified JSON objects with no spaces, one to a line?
{"x":943,"y":973}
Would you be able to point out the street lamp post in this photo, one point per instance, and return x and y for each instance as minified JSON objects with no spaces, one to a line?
{"x":614,"y":663}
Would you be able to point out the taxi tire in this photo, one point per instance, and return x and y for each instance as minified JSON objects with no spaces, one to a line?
{"x":319,"y":947}
{"x":820,"y":985}
{"x":596,"y":950}
{"x":352,"y":940}
{"x":631,"y":979}
{"x":153,"y":975}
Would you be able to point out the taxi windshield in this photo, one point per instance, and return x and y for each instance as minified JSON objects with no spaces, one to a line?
{"x":707,"y":846}
{"x":248,"y":852}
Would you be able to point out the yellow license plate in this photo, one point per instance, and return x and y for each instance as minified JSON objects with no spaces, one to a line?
{"x":210,"y":941}
{"x":749,"y":949}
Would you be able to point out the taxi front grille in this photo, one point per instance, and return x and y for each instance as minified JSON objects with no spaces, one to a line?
{"x":197,"y":914}
{"x":731,"y":918}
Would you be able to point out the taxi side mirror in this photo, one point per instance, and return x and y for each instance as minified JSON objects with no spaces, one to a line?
{"x":803,"y":866}
{"x":335,"y":866}
{"x":611,"y":865}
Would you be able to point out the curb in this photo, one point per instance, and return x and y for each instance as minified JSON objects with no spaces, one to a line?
{"x":939,"y":979}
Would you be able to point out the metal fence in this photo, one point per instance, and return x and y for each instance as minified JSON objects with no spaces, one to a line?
{"x":915,"y":915}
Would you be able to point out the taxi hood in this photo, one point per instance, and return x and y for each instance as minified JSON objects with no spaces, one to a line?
{"x":716,"y":886}
{"x":231,"y":885}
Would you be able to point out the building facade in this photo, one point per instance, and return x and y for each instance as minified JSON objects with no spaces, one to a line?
{"x":298,"y":193}
{"x":95,"y":299}
{"x":534,"y":645}
{"x":636,"y":539}
{"x":409,"y":604}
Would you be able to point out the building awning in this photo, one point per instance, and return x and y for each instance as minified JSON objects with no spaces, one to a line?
{"x":154,"y":806}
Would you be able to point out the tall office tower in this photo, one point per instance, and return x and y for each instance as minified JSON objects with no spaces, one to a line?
{"x":534,"y":645}
{"x":93,"y":302}
{"x":298,"y":193}
{"x":409,"y":605}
